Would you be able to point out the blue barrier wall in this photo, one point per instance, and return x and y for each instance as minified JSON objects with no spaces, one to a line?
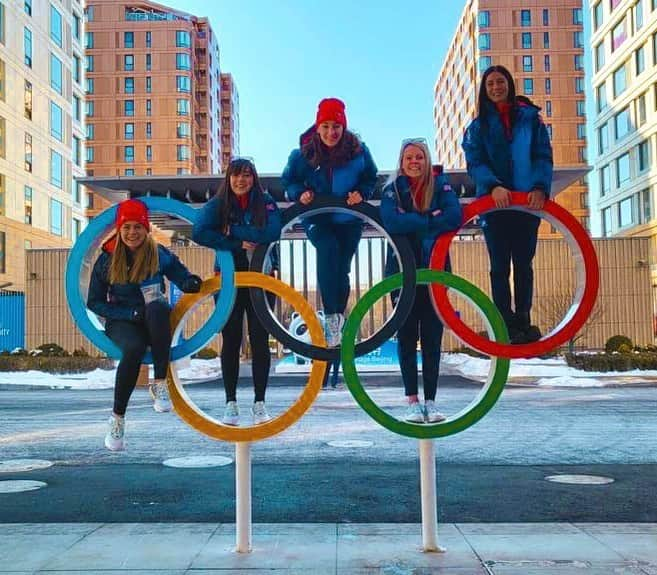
{"x":12,"y":320}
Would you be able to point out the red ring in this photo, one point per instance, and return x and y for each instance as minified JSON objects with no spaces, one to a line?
{"x":568,"y":225}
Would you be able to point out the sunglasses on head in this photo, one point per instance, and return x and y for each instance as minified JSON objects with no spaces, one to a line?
{"x":409,"y":141}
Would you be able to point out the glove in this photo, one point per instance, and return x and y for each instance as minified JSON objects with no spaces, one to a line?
{"x":192,"y":284}
{"x":137,"y":314}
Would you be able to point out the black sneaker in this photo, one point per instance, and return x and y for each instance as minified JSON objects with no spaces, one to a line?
{"x":517,"y":336}
{"x":532,"y":334}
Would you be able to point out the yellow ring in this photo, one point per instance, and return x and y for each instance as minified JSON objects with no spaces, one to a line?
{"x":193,"y":416}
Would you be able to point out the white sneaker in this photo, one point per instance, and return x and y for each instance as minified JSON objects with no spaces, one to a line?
{"x":414,"y":413}
{"x":260,"y":414}
{"x":334,"y":324}
{"x":231,"y":414}
{"x":114,"y":438}
{"x":433,"y":415}
{"x":160,"y":394}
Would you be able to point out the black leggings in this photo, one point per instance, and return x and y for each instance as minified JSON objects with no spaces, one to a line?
{"x":232,"y":341}
{"x":133,"y":338}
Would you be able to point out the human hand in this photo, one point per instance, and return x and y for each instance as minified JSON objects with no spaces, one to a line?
{"x":306,"y":197}
{"x":354,"y":198}
{"x":536,"y":200}
{"x":192,"y":284}
{"x":249,"y":245}
{"x":501,"y":197}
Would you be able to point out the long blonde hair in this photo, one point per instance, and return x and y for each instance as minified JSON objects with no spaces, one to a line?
{"x":145,"y":264}
{"x":426,"y":180}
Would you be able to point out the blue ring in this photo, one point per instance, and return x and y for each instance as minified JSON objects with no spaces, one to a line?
{"x":90,"y":239}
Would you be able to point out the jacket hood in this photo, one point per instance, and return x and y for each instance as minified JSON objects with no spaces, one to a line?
{"x":110,"y":245}
{"x":524,"y":102}
{"x":307,"y":136}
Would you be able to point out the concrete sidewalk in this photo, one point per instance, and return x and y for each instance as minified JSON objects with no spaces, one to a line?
{"x":329,"y":548}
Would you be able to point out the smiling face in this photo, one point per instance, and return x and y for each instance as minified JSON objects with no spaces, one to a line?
{"x":414,"y":162}
{"x":497,"y":88}
{"x":133,"y":234}
{"x":241,"y":181}
{"x":330,"y":133}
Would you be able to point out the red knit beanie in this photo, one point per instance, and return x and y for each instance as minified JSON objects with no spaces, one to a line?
{"x":132,"y":211}
{"x":331,"y":110}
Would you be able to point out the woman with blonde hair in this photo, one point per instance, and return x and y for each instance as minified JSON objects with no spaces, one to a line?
{"x":127,"y":289}
{"x":420,"y":204}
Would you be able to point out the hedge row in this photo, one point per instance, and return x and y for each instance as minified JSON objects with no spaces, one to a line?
{"x":54,"y":364}
{"x":613,"y":361}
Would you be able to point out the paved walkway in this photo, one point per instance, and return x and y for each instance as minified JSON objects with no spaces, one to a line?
{"x":328,"y":548}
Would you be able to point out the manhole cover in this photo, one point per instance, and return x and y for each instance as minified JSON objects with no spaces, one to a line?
{"x":580,"y":479}
{"x":22,"y":465}
{"x":349,"y":443}
{"x":18,"y":485}
{"x":198,"y":461}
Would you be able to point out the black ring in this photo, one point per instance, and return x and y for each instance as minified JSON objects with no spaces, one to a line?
{"x":369,"y":213}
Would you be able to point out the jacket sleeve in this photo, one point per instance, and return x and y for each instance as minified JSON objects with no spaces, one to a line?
{"x":293,"y":178}
{"x":367,"y":180}
{"x":265,"y":235}
{"x":397,"y":222}
{"x":542,"y":162}
{"x":98,"y":290}
{"x":476,"y":158}
{"x":206,"y":229}
{"x":450,"y":215}
{"x":173,"y":268}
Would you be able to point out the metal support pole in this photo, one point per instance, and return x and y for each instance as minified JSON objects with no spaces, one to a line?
{"x":243,"y":496}
{"x":428,"y":496}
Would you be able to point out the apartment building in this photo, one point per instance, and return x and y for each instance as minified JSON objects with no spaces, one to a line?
{"x":41,"y":130}
{"x":541,"y":42}
{"x":230,"y":120}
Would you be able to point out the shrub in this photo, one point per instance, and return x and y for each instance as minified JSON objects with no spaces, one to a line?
{"x":51,"y":350}
{"x":615,"y":341}
{"x":624,"y":348}
{"x":80,"y":353}
{"x":612,"y":361}
{"x":205,"y":353}
{"x":54,"y":364}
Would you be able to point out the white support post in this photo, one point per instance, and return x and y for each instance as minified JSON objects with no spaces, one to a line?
{"x":428,"y":496}
{"x":243,"y":496}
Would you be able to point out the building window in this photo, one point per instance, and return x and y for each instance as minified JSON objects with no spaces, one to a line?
{"x":28,"y":100}
{"x":129,"y":131}
{"x":548,"y":108}
{"x":597,"y":16}
{"x":3,"y":249}
{"x":128,"y":39}
{"x":606,"y":222}
{"x":56,"y":169}
{"x":149,"y":107}
{"x":149,"y":171}
{"x":622,"y":169}
{"x":89,"y":108}
{"x":129,"y":154}
{"x":89,"y":153}
{"x":581,"y":131}
{"x":89,"y":131}
{"x":89,"y":86}
{"x":183,"y":61}
{"x":578,"y":17}
{"x":56,"y":213}
{"x":620,"y":81}
{"x":76,"y":228}
{"x":644,"y":155}
{"x":527,"y":64}
{"x":581,"y":108}
{"x":579,"y":61}
{"x":601,"y":97}
{"x":56,"y":74}
{"x":546,"y":17}
{"x":27,"y":47}
{"x":182,"y":152}
{"x":485,"y":62}
{"x":2,"y":23}
{"x":548,"y":86}
{"x":77,"y":151}
{"x":638,"y":15}
{"x":149,"y":84}
{"x":128,"y":62}
{"x":88,"y":65}
{"x":56,"y":122}
{"x":528,"y":86}
{"x":183,"y":130}
{"x":129,"y":85}
{"x":3,"y":138}
{"x":578,"y":39}
{"x":546,"y":62}
{"x":548,"y":128}
{"x":182,"y":107}
{"x":605,"y":180}
{"x":484,"y":19}
{"x":579,"y":85}
{"x":603,"y":138}
{"x":77,"y":27}
{"x":183,"y":84}
{"x":183,"y":39}
{"x":546,"y":40}
{"x":584,"y":200}
{"x":148,"y":62}
{"x":129,"y":108}
{"x":646,"y":205}
{"x":526,"y":40}
{"x":599,"y":57}
{"x":639,"y":60}
{"x":149,"y":39}
{"x":27,"y":193}
{"x":129,"y":172}
{"x":89,"y":13}
{"x":149,"y":130}
{"x":625,"y":213}
{"x":27,"y":6}
{"x":55,"y":26}
{"x":149,"y":153}
{"x":77,"y":108}
{"x":622,"y":125}
{"x":619,"y":34}
{"x":525,"y":18}
{"x":89,"y":40}
{"x":28,"y":152}
{"x":641,"y":110}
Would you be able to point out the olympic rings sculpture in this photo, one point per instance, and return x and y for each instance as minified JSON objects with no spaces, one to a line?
{"x":498,"y":348}
{"x":587,"y":280}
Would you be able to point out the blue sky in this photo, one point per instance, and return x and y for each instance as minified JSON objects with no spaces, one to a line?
{"x":381,"y":58}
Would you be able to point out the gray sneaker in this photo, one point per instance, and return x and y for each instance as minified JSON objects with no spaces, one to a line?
{"x":231,"y":414}
{"x":160,"y":394}
{"x":433,"y":415}
{"x":334,"y":324}
{"x":414,"y":413}
{"x":114,"y":438}
{"x":260,"y":414}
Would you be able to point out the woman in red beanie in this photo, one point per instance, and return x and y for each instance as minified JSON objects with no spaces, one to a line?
{"x":331,"y":160}
{"x":127,"y":289}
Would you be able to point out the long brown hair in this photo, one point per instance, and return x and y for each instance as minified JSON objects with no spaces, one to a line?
{"x":145,"y":262}
{"x":257,"y":205}
{"x":426,"y":179}
{"x":318,"y":154}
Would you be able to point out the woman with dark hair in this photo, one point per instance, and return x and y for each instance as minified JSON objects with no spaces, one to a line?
{"x":420,"y":205}
{"x":238,"y":218}
{"x":127,"y":289}
{"x":507,"y":148}
{"x":331,"y":161}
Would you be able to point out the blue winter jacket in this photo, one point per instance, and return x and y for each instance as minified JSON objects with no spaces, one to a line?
{"x":359,"y":174}
{"x":401,"y":218}
{"x":207,"y":229}
{"x":522,"y":163}
{"x":121,"y":301}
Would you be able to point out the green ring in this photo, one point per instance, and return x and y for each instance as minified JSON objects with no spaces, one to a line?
{"x":488,"y":395}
